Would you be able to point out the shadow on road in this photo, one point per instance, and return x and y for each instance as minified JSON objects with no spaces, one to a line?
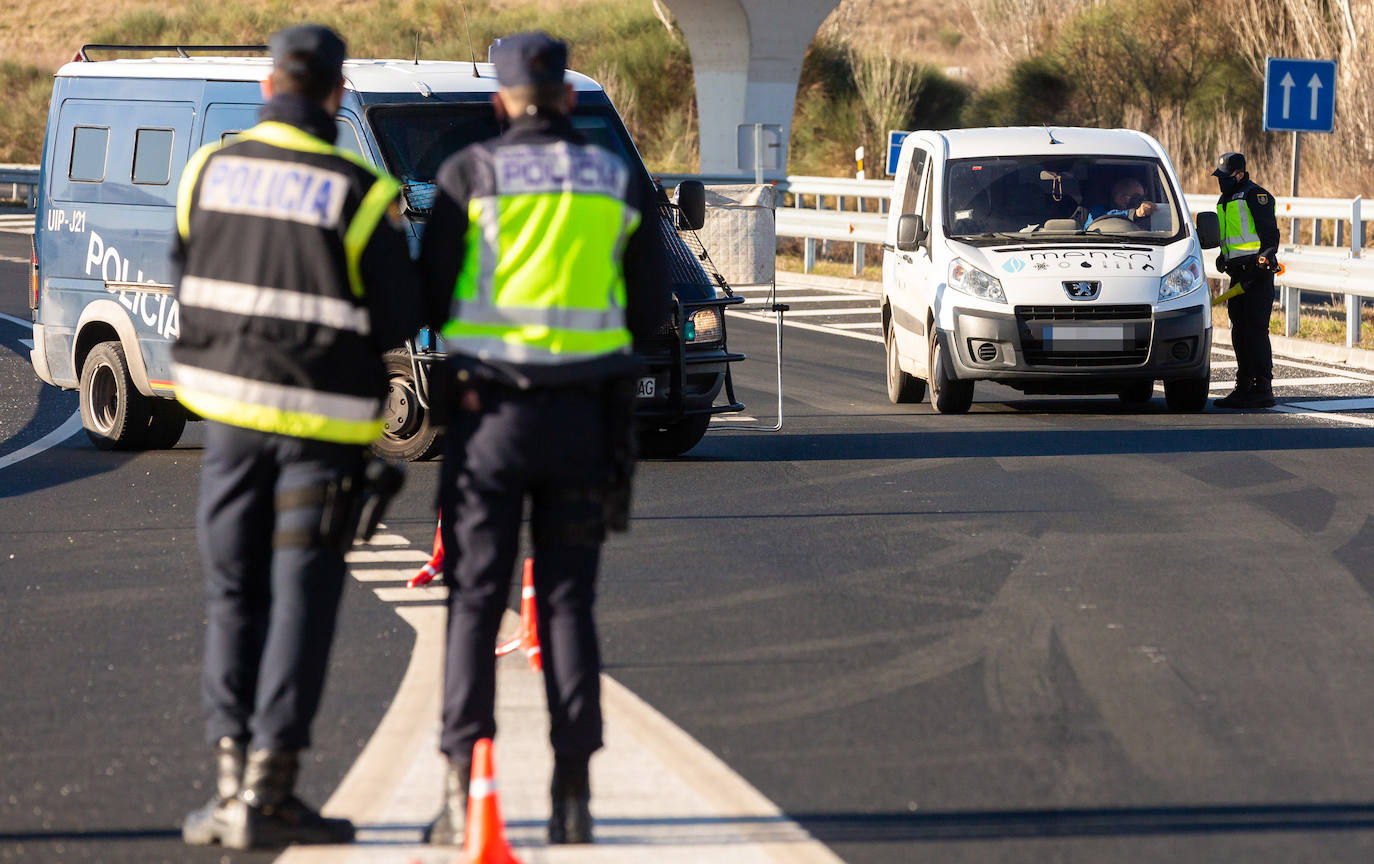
{"x":783,"y":447}
{"x":1084,"y":822}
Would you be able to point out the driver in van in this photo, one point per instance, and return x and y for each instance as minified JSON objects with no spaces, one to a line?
{"x":1127,"y":202}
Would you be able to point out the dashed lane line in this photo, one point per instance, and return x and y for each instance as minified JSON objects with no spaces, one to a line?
{"x":1351,"y":404}
{"x":1291,"y":382}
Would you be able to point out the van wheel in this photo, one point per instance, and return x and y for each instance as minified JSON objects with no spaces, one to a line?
{"x":166,"y":421}
{"x":409,"y":432}
{"x":901,"y":387}
{"x":1137,"y":392}
{"x":676,"y":439}
{"x":1186,"y":394}
{"x":115,"y":414}
{"x":948,"y":395}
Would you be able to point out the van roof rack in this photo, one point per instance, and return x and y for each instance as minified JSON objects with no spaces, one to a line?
{"x":181,"y":50}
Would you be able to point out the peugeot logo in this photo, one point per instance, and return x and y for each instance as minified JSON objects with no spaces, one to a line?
{"x":1082,"y":290}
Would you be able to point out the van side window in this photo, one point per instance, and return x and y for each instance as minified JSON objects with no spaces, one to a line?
{"x":89,"y":146}
{"x":913,"y":182}
{"x":153,"y":156}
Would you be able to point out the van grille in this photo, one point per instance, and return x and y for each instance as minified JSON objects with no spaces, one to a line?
{"x":1124,"y":338}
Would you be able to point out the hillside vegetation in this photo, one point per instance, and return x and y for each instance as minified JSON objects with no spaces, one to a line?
{"x":1187,"y":71}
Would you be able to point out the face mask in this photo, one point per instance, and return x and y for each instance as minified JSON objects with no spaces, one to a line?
{"x":1227,"y":184}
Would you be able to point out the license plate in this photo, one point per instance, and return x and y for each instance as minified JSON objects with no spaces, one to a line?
{"x":646,"y":387}
{"x":1084,"y":337}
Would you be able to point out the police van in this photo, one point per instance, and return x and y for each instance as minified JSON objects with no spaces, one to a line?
{"x":118,"y":136}
{"x":1049,"y":260}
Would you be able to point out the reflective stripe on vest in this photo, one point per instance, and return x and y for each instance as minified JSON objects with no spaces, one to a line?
{"x":1238,"y":236}
{"x":543,"y":280}
{"x":238,"y":298}
{"x":278,"y":408}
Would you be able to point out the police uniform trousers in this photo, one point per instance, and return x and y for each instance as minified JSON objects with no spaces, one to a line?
{"x":1249,"y":313}
{"x":272,"y":583}
{"x":548,"y":447}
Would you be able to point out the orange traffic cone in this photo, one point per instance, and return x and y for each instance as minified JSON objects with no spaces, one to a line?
{"x":435,"y":565}
{"x":486,"y":833}
{"x":528,"y":637}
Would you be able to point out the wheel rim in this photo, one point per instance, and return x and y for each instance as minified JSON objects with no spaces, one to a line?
{"x":104,"y":392}
{"x":401,"y":414}
{"x":892,"y":364}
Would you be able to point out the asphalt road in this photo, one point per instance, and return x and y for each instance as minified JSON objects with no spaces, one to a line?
{"x":1055,"y":629}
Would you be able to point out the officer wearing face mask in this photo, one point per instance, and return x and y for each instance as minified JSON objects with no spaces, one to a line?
{"x":1249,"y":247}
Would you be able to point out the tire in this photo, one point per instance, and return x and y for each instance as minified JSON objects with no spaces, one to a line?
{"x":1137,"y":392}
{"x":115,"y":414}
{"x":409,"y":431}
{"x":1186,"y":394}
{"x":948,"y":395}
{"x":901,"y":387}
{"x":674,"y":440}
{"x":166,"y":421}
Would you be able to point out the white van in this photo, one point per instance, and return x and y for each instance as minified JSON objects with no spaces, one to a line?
{"x":1049,"y":260}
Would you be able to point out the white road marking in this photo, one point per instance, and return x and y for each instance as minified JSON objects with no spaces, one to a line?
{"x":52,"y":439}
{"x":1353,"y":404}
{"x":383,"y":575}
{"x":10,"y":259}
{"x":1224,"y":364}
{"x":27,"y":343}
{"x":861,"y":310}
{"x":767,"y":318}
{"x":733,"y":418}
{"x":388,"y":540}
{"x":1335,"y":418}
{"x":1291,"y":382}
{"x":405,"y":595}
{"x":19,"y":322}
{"x":368,"y":556}
{"x":1298,"y":364}
{"x":809,"y":298}
{"x":859,"y":325}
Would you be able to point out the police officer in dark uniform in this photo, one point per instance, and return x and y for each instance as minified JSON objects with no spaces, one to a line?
{"x":541,"y":264}
{"x":295,"y":278}
{"x":1249,"y":255}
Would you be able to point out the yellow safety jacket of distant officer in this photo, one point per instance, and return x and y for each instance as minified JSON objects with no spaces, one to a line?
{"x":542,"y":281}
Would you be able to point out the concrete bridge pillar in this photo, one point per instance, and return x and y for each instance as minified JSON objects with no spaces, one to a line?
{"x":746,"y":57}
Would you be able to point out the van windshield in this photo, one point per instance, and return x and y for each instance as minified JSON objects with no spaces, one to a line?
{"x":416,"y":139}
{"x":1026,"y":198}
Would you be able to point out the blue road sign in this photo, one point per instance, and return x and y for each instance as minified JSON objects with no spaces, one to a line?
{"x":1299,"y":95}
{"x":894,"y":149}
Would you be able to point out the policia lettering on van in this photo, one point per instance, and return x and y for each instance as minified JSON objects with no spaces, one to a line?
{"x":119,"y":135}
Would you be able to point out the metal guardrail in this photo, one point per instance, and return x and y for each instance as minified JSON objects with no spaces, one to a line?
{"x":1344,"y":268}
{"x":16,"y":176}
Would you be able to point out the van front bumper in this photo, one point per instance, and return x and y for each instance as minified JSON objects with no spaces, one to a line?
{"x":1079,"y":348}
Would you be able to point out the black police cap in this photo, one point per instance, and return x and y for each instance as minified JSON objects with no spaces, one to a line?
{"x":529,"y":59}
{"x":1229,"y":163}
{"x":310,"y":53}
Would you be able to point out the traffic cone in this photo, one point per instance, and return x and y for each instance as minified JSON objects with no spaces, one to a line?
{"x":528,"y":637}
{"x":486,"y":833}
{"x":436,"y":562}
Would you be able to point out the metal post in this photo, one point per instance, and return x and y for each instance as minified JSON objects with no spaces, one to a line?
{"x":858,"y":259}
{"x":1316,"y":232}
{"x":1340,"y":233}
{"x":1292,"y":303}
{"x":1297,"y":158}
{"x":1356,"y":228}
{"x":1352,"y":320}
{"x":808,"y":254}
{"x":758,"y":154}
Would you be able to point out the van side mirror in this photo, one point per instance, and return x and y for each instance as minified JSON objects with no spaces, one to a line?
{"x":691,"y":205}
{"x":1208,"y":230}
{"x":911,"y":232}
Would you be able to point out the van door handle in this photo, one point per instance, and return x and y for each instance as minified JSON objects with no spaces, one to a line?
{"x":908,"y":259}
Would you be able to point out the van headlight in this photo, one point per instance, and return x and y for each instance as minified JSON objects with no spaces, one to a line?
{"x":964,"y":277}
{"x":704,"y":326}
{"x":1184,"y":279}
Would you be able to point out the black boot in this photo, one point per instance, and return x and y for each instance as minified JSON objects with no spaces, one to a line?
{"x":208,"y":824}
{"x":1237,"y":398}
{"x":570,"y":817}
{"x":1262,"y":395}
{"x":447,"y":829}
{"x":270,"y":815}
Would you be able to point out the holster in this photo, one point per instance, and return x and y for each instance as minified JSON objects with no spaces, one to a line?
{"x":618,"y":401}
{"x":355,"y":503}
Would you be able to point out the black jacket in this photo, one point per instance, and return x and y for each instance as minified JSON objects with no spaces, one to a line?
{"x":1262,"y":211}
{"x":647,"y":275}
{"x":263,"y":272}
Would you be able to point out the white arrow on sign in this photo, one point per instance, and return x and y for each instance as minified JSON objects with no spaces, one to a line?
{"x":1287,"y":84}
{"x":1314,"y":85}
